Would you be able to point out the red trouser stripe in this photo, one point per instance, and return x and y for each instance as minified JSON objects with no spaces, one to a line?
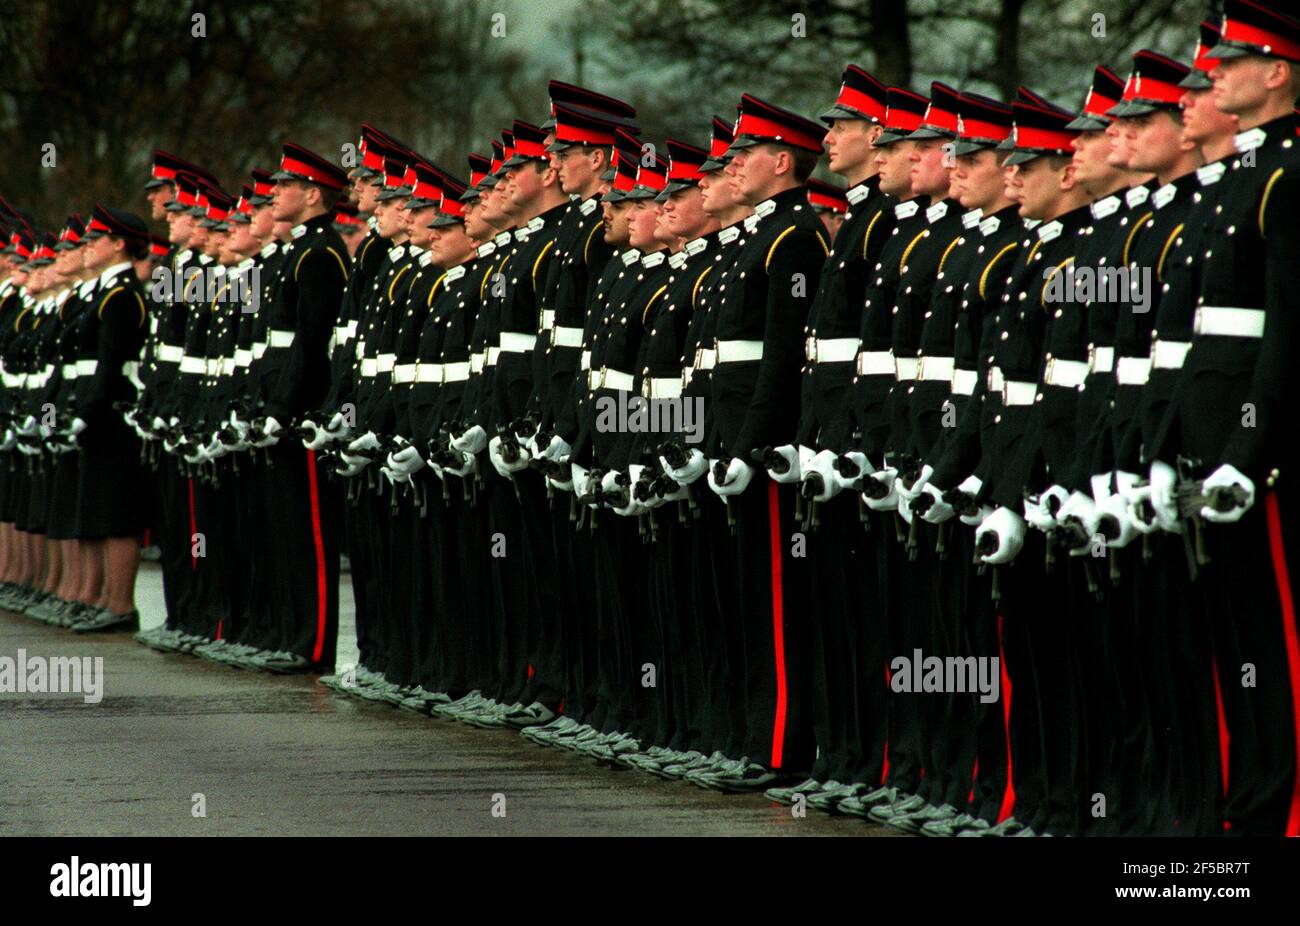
{"x":778,"y":624}
{"x":1009,"y":795}
{"x":884,"y":768}
{"x":1225,"y":738}
{"x":1292,"y":649}
{"x":320,"y":556}
{"x":194,"y":528}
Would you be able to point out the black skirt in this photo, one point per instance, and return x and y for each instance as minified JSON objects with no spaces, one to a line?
{"x":110,"y":482}
{"x":61,"y":496}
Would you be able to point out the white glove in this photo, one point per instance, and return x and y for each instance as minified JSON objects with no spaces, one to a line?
{"x":214,"y":449}
{"x":158,"y":423}
{"x":911,"y":492}
{"x":971,"y":485}
{"x":823,"y":464}
{"x":45,"y":431}
{"x":472,"y":441}
{"x":9,"y":441}
{"x":337,"y":427}
{"x":1084,"y":509}
{"x":406,"y":461}
{"x":28,"y":427}
{"x":558,"y":450}
{"x":1163,"y":479}
{"x":738,"y":475}
{"x":1010,"y":530}
{"x":796,"y":457}
{"x":352,"y":465}
{"x":467,"y":467}
{"x":889,"y":476}
{"x":1116,"y":506}
{"x":367,"y":441}
{"x":499,"y":464}
{"x":318,"y":436}
{"x":581,"y":482}
{"x":904,"y":510}
{"x":1225,"y":477}
{"x":560,"y":485}
{"x":394,"y":476}
{"x":76,"y":427}
{"x":609,"y":485}
{"x":845,"y":484}
{"x":940,"y":510}
{"x":693,"y":469}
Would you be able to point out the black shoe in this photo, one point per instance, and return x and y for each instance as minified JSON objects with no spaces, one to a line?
{"x":106,"y":620}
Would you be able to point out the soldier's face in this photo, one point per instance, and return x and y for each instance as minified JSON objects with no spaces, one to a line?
{"x":751,"y":172}
{"x":289,"y":200}
{"x":263,"y":222}
{"x":977,"y":179}
{"x":157,"y":198}
{"x":1094,"y":156}
{"x":388,"y":219}
{"x":214,"y":242}
{"x":576,"y":168}
{"x":641,"y":225}
{"x":1203,"y":122}
{"x":475,"y":227}
{"x":895,"y":168}
{"x":1241,"y":84}
{"x":98,"y":253}
{"x":241,"y":239}
{"x":684,"y":213}
{"x":1155,"y":141}
{"x":616,"y":216}
{"x":927,"y":173}
{"x":1040,"y":188}
{"x":418,"y":221}
{"x":525,"y":185}
{"x":848,"y":145}
{"x":366,"y":193}
{"x":717,"y":195}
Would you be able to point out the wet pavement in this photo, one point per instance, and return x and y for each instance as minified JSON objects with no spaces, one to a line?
{"x":282,"y":755}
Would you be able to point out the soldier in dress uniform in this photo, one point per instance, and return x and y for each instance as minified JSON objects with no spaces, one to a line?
{"x":830,"y":204}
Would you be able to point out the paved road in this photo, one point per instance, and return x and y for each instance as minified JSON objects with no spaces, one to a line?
{"x":282,"y":755}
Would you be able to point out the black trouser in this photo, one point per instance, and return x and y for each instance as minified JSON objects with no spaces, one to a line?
{"x":773,"y":612}
{"x":838,"y":559}
{"x":615,"y":543}
{"x":905,"y":745}
{"x":303,"y":510}
{"x":545,"y":673}
{"x":171,"y":536}
{"x":577,"y":626}
{"x":1249,"y":598}
{"x":991,"y":792}
{"x":710,"y":574}
{"x":512,"y":588}
{"x":364,"y":594}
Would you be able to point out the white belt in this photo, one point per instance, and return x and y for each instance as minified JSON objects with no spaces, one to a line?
{"x":404,"y":373}
{"x":548,"y":319}
{"x":259,"y":348}
{"x":67,"y":371}
{"x":739,"y":351}
{"x":936,"y":368}
{"x":585,"y":362}
{"x":876,"y":363}
{"x":476,"y":363}
{"x":227,"y":366}
{"x":1133,"y":371}
{"x":490,"y":356}
{"x":996,"y":381}
{"x":340,"y":336}
{"x":1101,"y":359}
{"x":87,"y":367}
{"x":1229,"y":322}
{"x":169,"y":353}
{"x":243,"y":357}
{"x":705,"y":358}
{"x":385,"y":363}
{"x":279,"y":338}
{"x":562,"y":336}
{"x":424,"y":373}
{"x":661,"y":387}
{"x":1015,"y":393}
{"x":14,"y":380}
{"x":516,"y":343}
{"x":1169,"y":355}
{"x":963,"y":382}
{"x":455,"y":372}
{"x":1069,"y":374}
{"x":615,"y":379}
{"x":906,"y":368}
{"x":369,"y":366}
{"x":593,"y":379}
{"x":193,"y":365}
{"x":834,"y":350}
{"x":351,"y":329}
{"x":212,"y":366}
